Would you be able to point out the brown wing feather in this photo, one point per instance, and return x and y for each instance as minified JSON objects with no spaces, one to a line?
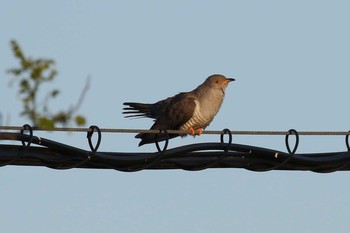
{"x":176,"y":111}
{"x":171,"y":114}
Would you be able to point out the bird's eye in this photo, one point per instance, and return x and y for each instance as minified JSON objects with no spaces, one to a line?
{"x":217,"y":81}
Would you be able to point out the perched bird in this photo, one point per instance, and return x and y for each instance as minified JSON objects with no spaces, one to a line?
{"x":189,"y":111}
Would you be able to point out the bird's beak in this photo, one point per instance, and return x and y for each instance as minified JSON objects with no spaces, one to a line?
{"x":229,"y":80}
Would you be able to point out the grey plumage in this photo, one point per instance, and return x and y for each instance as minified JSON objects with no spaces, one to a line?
{"x":192,"y":110}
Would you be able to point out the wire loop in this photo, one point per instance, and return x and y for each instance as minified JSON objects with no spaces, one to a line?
{"x":347,"y":141}
{"x":226,"y":131}
{"x":24,"y":145}
{"x":286,"y":160}
{"x":342,"y":165}
{"x":27,"y":127}
{"x":89,"y":155}
{"x":93,"y":149}
{"x":155,"y":160}
{"x":290,"y":132}
{"x":219,"y":158}
{"x":227,"y":148}
{"x":91,"y":131}
{"x":166,"y":140}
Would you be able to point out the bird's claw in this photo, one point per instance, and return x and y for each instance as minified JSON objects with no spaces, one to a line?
{"x":194,"y":132}
{"x":191,"y":131}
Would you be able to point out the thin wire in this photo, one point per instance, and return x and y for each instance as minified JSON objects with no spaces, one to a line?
{"x":237,"y":132}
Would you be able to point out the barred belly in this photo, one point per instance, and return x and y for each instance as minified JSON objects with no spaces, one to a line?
{"x":196,"y":121}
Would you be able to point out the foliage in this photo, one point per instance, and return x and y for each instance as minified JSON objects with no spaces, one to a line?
{"x":31,"y":75}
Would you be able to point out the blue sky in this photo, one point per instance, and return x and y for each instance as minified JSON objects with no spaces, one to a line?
{"x":290,"y":60}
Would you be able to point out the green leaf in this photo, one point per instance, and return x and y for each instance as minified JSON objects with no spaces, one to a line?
{"x":30,"y":75}
{"x":36,"y":73}
{"x":61,"y":117}
{"x":26,"y":64}
{"x":16,"y":49}
{"x":80,"y":120}
{"x":46,"y":123}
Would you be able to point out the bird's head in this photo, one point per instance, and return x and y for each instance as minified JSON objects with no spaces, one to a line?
{"x":218,"y":81}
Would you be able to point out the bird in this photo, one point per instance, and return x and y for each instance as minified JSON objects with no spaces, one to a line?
{"x":189,"y":111}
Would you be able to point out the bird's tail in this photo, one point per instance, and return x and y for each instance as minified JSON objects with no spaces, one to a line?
{"x":147,"y":110}
{"x":147,"y":138}
{"x":138,"y":110}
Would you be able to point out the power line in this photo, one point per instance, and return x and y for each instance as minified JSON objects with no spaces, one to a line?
{"x":235,"y":132}
{"x":188,"y":157}
{"x":191,"y":157}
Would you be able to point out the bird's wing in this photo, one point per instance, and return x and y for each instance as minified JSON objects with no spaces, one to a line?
{"x":175,"y":111}
{"x":171,"y":114}
{"x":178,"y":108}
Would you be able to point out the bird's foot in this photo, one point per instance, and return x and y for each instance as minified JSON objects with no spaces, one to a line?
{"x":191,"y":131}
{"x":195,"y":132}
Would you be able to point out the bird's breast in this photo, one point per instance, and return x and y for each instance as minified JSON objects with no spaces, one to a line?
{"x":199,"y":119}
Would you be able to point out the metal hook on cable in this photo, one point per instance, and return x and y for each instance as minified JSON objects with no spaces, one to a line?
{"x":227,"y":148}
{"x":166,"y":140}
{"x":27,"y":127}
{"x":291,"y":152}
{"x":337,"y":168}
{"x":93,"y":148}
{"x":219,"y":159}
{"x":90,"y":132}
{"x":24,"y":145}
{"x":226,"y":131}
{"x":153,"y":160}
{"x":290,"y":132}
{"x":347,"y":141}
